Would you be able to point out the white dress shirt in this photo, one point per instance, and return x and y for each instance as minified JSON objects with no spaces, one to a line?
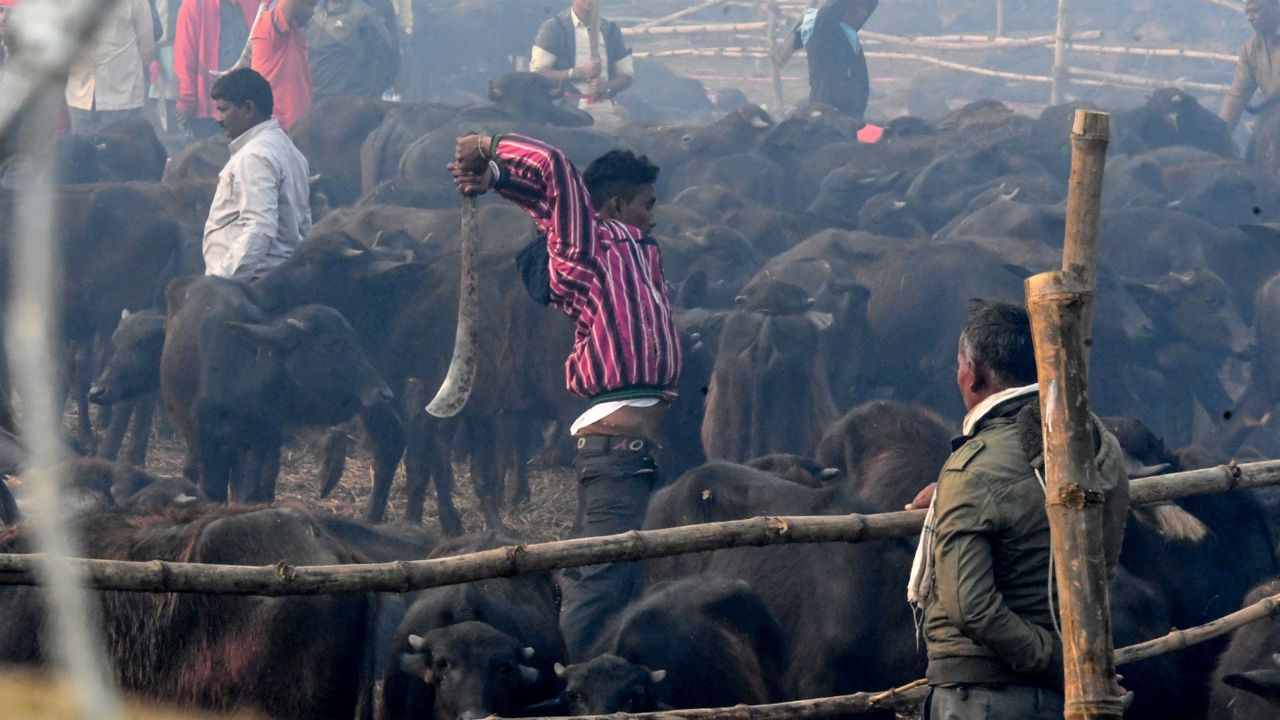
{"x":262,"y":208}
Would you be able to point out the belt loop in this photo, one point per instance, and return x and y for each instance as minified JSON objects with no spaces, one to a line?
{"x":582,"y":442}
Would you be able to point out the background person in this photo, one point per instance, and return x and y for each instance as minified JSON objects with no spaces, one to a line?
{"x":107,"y":83}
{"x":350,"y":50}
{"x":837,"y":63}
{"x":262,"y":207}
{"x":280,"y":55}
{"x":982,"y":576}
{"x":1258,"y":68}
{"x":562,"y":53}
{"x":605,"y":272}
{"x":209,"y":37}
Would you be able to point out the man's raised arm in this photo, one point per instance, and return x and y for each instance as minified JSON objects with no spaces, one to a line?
{"x":538,"y":178}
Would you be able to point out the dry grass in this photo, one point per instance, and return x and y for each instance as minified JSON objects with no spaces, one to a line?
{"x":548,"y":516}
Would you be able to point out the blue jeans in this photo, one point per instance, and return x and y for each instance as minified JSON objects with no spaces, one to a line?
{"x":1008,"y":702}
{"x":613,"y":493}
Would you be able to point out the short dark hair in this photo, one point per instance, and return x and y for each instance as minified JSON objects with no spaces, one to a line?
{"x":241,"y":86}
{"x":618,"y":173}
{"x":998,"y":336}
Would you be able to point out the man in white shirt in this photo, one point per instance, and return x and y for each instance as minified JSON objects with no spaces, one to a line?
{"x":108,"y":82}
{"x":262,"y":209}
{"x":588,"y":55}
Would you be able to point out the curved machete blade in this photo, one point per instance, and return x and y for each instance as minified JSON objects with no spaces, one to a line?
{"x":455,"y":390}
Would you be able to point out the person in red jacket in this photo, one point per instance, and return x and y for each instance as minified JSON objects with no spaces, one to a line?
{"x":280,"y":55}
{"x":209,"y":37}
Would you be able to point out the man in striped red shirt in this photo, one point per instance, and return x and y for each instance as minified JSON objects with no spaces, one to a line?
{"x":605,"y":273}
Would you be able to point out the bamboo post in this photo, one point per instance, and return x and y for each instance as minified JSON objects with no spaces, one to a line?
{"x":1059,"y":55}
{"x":775,"y":70}
{"x":999,"y":18}
{"x":1060,"y":306}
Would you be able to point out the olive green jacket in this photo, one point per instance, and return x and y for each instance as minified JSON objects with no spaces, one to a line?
{"x":988,"y":619}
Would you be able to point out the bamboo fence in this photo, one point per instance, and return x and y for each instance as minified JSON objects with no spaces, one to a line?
{"x":1068,"y":48}
{"x":284,"y":578}
{"x":912,"y":693}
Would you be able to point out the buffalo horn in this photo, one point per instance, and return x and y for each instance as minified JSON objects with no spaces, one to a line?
{"x":456,"y":389}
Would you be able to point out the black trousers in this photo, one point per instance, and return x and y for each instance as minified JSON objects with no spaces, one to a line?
{"x":613,"y":493}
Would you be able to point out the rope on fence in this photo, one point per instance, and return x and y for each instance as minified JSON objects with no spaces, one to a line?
{"x":286,"y":579}
{"x":912,"y":693}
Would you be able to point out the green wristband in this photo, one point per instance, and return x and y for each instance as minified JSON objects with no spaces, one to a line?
{"x":493,"y":146}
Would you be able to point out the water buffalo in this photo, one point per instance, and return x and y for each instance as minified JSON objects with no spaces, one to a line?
{"x":131,"y":379}
{"x":768,"y":391}
{"x":470,"y":670}
{"x":1246,"y":683}
{"x":231,"y":376}
{"x":292,"y":657}
{"x":868,"y":643}
{"x":498,"y":615}
{"x":714,"y":638}
{"x":886,"y":451}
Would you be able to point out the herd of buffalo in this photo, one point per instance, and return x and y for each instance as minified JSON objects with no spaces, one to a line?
{"x":820,"y":283}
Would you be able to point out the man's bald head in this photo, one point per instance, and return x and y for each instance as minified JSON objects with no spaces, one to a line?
{"x":1263,"y":15}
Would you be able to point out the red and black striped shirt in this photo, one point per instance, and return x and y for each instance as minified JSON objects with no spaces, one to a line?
{"x":605,"y":274}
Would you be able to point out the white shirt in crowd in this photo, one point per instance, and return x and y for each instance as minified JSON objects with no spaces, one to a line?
{"x":110,"y":75}
{"x":542,"y":60}
{"x":262,"y":208}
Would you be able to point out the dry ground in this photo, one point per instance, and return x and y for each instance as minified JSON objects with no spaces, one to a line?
{"x":549,"y":516}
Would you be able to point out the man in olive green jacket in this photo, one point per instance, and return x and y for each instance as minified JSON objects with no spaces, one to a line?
{"x":982,"y":576}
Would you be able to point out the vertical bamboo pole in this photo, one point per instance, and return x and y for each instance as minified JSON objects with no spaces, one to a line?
{"x":1000,"y":18}
{"x":779,"y":100}
{"x":1060,"y":40}
{"x":1061,"y":306}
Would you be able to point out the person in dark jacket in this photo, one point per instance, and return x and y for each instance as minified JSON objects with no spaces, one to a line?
{"x":982,"y":576}
{"x":350,"y":50}
{"x":837,"y":64}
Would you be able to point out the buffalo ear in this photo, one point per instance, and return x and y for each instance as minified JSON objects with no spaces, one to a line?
{"x":528,"y":674}
{"x":560,"y":670}
{"x":276,"y":336}
{"x":658,"y":676}
{"x":394,"y":274}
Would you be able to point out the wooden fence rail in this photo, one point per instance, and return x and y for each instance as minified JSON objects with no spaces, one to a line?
{"x":285,"y":579}
{"x":913,"y":693}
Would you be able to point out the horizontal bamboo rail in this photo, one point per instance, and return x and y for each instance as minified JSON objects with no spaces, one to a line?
{"x":1151,"y":52}
{"x":680,"y":14}
{"x":914,"y":692}
{"x":973,"y":69}
{"x":695,"y":29}
{"x":1180,"y":639}
{"x":1139,"y":81}
{"x":286,"y":579}
{"x":731,"y":52}
{"x":969,"y":42}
